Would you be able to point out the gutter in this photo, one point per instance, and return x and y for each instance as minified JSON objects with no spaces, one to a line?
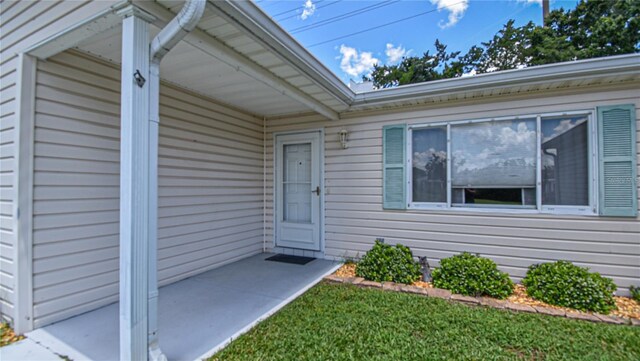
{"x":582,"y":69}
{"x":169,"y":36}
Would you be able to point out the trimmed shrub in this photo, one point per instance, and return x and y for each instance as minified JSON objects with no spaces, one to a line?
{"x":635,"y":293}
{"x":564,"y":284}
{"x":472,"y":275}
{"x":387,"y":263}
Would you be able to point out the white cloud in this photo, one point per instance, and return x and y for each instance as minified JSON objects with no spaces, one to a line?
{"x":564,"y":126}
{"x":539,"y":2}
{"x":308,"y":9}
{"x":395,"y":54}
{"x":522,"y":136}
{"x":354,"y":63}
{"x":484,"y":152}
{"x":456,"y":9}
{"x":430,"y":156}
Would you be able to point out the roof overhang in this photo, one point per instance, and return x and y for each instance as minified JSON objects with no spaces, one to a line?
{"x":241,"y":57}
{"x":580,"y":73}
{"x":573,"y":74}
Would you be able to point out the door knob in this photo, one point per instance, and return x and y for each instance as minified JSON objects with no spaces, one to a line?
{"x":316,"y":191}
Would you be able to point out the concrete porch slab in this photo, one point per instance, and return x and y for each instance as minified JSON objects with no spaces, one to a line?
{"x":27,"y":349}
{"x":196,"y":315}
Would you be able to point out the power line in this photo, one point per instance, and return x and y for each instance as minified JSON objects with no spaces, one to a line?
{"x":342,"y":17}
{"x":265,"y":3}
{"x":510,"y":16}
{"x":382,"y":25}
{"x":317,"y":8}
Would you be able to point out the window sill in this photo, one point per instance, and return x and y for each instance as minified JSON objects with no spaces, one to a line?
{"x":559,"y":210}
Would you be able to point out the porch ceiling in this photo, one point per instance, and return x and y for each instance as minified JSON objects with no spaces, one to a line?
{"x":190,"y":67}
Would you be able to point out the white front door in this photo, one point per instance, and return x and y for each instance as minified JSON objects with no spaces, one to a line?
{"x":298,"y":190}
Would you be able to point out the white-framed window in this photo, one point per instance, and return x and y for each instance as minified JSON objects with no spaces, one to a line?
{"x":536,"y":163}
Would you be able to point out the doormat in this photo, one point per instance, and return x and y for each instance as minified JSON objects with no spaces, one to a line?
{"x":290,"y":259}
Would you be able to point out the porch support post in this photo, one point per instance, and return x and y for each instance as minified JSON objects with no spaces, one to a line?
{"x":23,"y":183}
{"x":134,"y":186}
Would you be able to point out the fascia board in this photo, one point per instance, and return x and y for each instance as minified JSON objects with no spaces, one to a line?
{"x":582,"y":69}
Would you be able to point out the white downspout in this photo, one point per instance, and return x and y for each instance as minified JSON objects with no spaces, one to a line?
{"x":169,"y":36}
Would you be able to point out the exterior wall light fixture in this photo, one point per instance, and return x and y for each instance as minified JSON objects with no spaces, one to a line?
{"x":342,"y":137}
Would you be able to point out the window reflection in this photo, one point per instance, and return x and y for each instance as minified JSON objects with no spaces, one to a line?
{"x":494,"y":154}
{"x":565,"y":161}
{"x":429,"y":162}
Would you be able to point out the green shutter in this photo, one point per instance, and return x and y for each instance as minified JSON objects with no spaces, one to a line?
{"x":393,"y":154}
{"x":617,"y":160}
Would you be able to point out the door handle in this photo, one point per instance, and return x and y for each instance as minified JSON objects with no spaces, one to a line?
{"x":316,"y":191}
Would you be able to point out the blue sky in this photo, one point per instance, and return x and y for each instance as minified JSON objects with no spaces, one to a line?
{"x":457,"y":23}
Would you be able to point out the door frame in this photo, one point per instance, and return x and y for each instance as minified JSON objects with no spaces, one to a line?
{"x":277,"y":190}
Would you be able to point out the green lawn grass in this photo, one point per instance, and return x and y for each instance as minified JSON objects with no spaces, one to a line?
{"x":343,"y":322}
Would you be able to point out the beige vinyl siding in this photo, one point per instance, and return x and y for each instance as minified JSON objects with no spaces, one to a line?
{"x":7,"y":191}
{"x":210,"y":186}
{"x":23,"y":24}
{"x":354,"y":214}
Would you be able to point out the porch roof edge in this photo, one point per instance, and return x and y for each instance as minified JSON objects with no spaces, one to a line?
{"x":252,"y":17}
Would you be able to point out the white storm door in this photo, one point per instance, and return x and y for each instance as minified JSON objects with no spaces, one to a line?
{"x":298,"y":191}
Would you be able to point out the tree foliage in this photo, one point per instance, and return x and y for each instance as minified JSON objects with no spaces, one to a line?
{"x":595,"y":28}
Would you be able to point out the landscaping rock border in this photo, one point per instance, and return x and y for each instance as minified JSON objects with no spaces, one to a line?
{"x":482,"y":301}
